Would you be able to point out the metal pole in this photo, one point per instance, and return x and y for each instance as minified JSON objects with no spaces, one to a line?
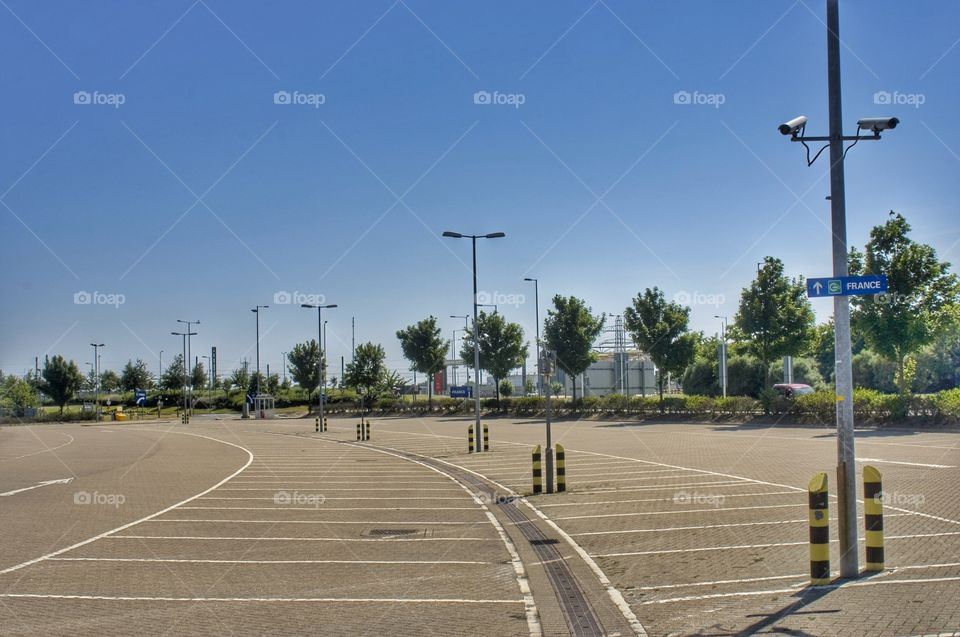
{"x":476,"y":351}
{"x":320,"y":371}
{"x":160,"y":375}
{"x":258,"y":350}
{"x":547,"y":367}
{"x":846,"y":489}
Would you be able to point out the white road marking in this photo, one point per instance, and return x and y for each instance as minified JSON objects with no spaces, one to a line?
{"x":408,"y":523}
{"x":45,"y":483}
{"x":407,"y":489}
{"x":908,"y":464}
{"x":673,"y":512}
{"x":326,"y":508}
{"x":720,"y":495}
{"x":429,"y":497}
{"x":145,"y":518}
{"x":35,"y":453}
{"x":185,"y":561}
{"x":708,"y":526}
{"x":300,"y":539}
{"x":352,"y":600}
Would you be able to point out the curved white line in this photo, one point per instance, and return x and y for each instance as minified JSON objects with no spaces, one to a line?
{"x":143,"y":519}
{"x":47,"y":450}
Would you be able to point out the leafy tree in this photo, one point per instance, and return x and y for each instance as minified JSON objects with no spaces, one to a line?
{"x":61,"y":380}
{"x":746,"y":376}
{"x":135,"y":376}
{"x":506,"y":387}
{"x":501,"y":346}
{"x":305,"y":365}
{"x":423,"y":346}
{"x":775,"y":317}
{"x":176,"y":375}
{"x":257,"y":383}
{"x":938,"y":364}
{"x":701,"y":378}
{"x":570,"y":330}
{"x":872,"y":371}
{"x":273,"y":383}
{"x":391,"y":382}
{"x":660,"y":329}
{"x":367,"y":370}
{"x":240,"y":378}
{"x":17,"y":393}
{"x":529,"y":387}
{"x":921,"y":299}
{"x":198,"y":378}
{"x":109,"y":381}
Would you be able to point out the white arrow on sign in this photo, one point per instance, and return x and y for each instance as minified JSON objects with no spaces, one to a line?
{"x":37,"y":486}
{"x":818,"y":286}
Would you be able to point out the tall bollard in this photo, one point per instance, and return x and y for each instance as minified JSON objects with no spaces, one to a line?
{"x":317,"y":425}
{"x":324,"y":423}
{"x":359,"y":429}
{"x":819,"y":530}
{"x":537,"y":471}
{"x":873,"y":517}
{"x":561,"y":468}
{"x":366,"y":430}
{"x":470,"y":439}
{"x":486,"y":438}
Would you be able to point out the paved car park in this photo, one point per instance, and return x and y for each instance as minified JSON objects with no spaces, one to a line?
{"x":247,"y":527}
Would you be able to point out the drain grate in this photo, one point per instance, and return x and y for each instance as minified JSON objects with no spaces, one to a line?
{"x":392,"y":532}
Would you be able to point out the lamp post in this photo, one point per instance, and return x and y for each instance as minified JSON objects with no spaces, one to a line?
{"x":320,"y":343}
{"x":466,"y":328}
{"x":96,"y":373}
{"x":256,"y":310}
{"x":536,"y":302}
{"x":184,"y":335}
{"x":160,"y":375}
{"x":796,"y":128}
{"x":476,"y":340}
{"x":188,"y":357}
{"x":723,"y":352}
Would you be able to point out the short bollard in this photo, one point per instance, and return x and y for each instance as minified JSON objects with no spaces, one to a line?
{"x":561,"y":468}
{"x":324,"y":423}
{"x":873,"y":517}
{"x":366,"y":430}
{"x":486,"y":438}
{"x":359,"y":430}
{"x":317,"y":425}
{"x":537,"y":471}
{"x":819,"y":530}
{"x":470,"y":439}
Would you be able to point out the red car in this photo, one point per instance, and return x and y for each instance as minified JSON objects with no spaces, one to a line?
{"x":789,"y":390}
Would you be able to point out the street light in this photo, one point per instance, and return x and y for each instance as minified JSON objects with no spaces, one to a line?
{"x":320,"y":344}
{"x":536,"y":301}
{"x":846,"y":457}
{"x":188,"y":357}
{"x":256,"y":310}
{"x":96,"y":372}
{"x":466,"y":328}
{"x":723,"y":352}
{"x":476,"y":340}
{"x":160,"y":375}
{"x":184,"y":335}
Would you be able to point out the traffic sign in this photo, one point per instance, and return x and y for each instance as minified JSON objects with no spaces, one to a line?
{"x":140,"y":396}
{"x":460,"y":391}
{"x":847,"y":286}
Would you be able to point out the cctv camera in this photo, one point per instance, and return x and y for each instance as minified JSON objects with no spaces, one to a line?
{"x":793,"y":126}
{"x":877,"y":124}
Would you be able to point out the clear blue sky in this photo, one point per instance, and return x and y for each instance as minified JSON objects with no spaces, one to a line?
{"x":199,"y":197}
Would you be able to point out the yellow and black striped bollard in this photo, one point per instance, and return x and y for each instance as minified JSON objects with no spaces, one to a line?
{"x":470,"y":439}
{"x":486,"y":437}
{"x":324,"y":423}
{"x":366,"y":431}
{"x":537,"y":471}
{"x":873,"y":517}
{"x":819,"y":530}
{"x":561,"y":468}
{"x":317,"y":425}
{"x":359,"y":435}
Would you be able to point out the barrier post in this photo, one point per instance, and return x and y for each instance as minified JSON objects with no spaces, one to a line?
{"x":561,"y":468}
{"x":873,"y":517}
{"x":317,"y":425}
{"x":819,"y":530}
{"x":486,"y":437}
{"x":324,"y":423}
{"x":366,"y":430}
{"x":537,"y":471}
{"x":359,"y":437}
{"x":470,"y":439}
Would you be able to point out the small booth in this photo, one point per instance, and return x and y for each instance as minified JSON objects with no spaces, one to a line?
{"x":263,"y":405}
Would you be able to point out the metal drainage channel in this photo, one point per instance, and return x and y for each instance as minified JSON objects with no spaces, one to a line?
{"x":580,"y":616}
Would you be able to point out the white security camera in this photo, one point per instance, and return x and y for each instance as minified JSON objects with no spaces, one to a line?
{"x":877,"y":124}
{"x":793,"y":126}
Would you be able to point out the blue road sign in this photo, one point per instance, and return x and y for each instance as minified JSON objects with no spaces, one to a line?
{"x":140,"y":396}
{"x":249,"y":399}
{"x":460,"y":391}
{"x":847,"y":286}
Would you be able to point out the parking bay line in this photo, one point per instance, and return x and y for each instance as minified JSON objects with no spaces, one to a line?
{"x":704,"y":495}
{"x":211,"y":497}
{"x":349,"y":600}
{"x":711,"y":510}
{"x":708,"y":526}
{"x":364,"y":522}
{"x":326,"y":508}
{"x":300,"y":539}
{"x":188,"y":561}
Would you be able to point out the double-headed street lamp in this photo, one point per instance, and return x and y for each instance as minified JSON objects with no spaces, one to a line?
{"x":846,"y":457}
{"x":96,"y":373}
{"x":256,"y":310}
{"x":188,"y":358}
{"x":536,"y":301}
{"x":723,"y":352}
{"x":185,"y":335}
{"x":320,"y":344}
{"x":476,"y":339}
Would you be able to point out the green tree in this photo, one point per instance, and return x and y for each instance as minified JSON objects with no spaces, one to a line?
{"x":61,"y":380}
{"x":135,"y":376}
{"x":660,"y":329}
{"x":506,"y":387}
{"x":366,"y":371}
{"x":501,"y":346}
{"x":304,"y":365}
{"x":257,"y":383}
{"x":775,"y":317}
{"x":240,"y":378}
{"x":701,"y":378}
{"x":570,"y":330}
{"x":18,"y":393}
{"x":175,"y":377}
{"x":198,"y":377}
{"x":921,"y":298}
{"x":273,"y":384}
{"x":423,"y":346}
{"x":109,"y":381}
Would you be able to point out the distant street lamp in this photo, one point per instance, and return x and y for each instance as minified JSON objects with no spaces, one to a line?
{"x":723,"y":353}
{"x":188,"y":358}
{"x":184,"y":335}
{"x":96,"y":373}
{"x":476,"y":340}
{"x":536,"y":301}
{"x":320,"y":343}
{"x":256,"y":310}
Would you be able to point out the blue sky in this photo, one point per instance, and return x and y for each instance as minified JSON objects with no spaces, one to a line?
{"x":198,"y":196}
